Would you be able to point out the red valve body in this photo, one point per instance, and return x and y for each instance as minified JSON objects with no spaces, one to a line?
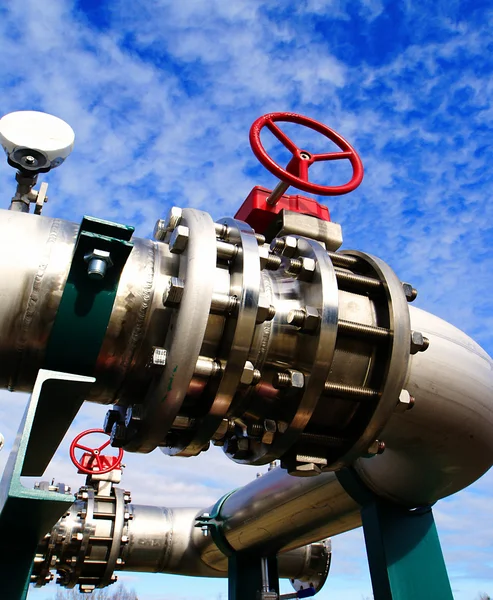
{"x":258,"y":214}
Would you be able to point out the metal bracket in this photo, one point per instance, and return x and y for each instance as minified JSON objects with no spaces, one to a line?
{"x":404,"y":552}
{"x":28,"y":514}
{"x":79,"y":328}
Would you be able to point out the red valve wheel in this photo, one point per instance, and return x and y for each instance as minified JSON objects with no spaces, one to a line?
{"x":296,"y":172}
{"x":103,"y":463}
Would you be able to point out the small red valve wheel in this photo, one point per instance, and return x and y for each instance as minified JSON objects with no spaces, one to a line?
{"x":296,"y":172}
{"x":93,"y":462}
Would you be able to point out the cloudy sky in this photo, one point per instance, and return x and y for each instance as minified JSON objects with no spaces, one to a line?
{"x":161,"y":95}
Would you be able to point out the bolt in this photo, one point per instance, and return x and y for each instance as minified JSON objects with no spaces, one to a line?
{"x":225,"y":250}
{"x":159,"y":356}
{"x":306,"y":319}
{"x":99,"y":261}
{"x":238,"y":448}
{"x":250,"y":375}
{"x":287,"y":246}
{"x":268,"y":261}
{"x":270,"y":429}
{"x":289,"y":378}
{"x":265,"y":310}
{"x":112,"y":416}
{"x":124,"y":539}
{"x":343,"y":260}
{"x":303,"y":268}
{"x":304,"y":155}
{"x":361,"y":330}
{"x":410,"y":293}
{"x":134,"y":415}
{"x":377,"y":447}
{"x":260,"y":239}
{"x":29,"y":160}
{"x":173,"y":219}
{"x":179,"y":239}
{"x":405,"y":401}
{"x":354,"y":392}
{"x":419,"y":343}
{"x":118,"y":435}
{"x":173,"y":293}
{"x":305,"y":470}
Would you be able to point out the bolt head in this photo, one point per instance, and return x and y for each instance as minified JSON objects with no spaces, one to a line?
{"x":179,"y":239}
{"x":405,"y":402}
{"x":419,"y":343}
{"x":248,"y":375}
{"x":376,"y":447}
{"x":264,"y":312}
{"x":305,"y":470}
{"x":290,"y":247}
{"x":103,"y":255}
{"x":173,"y":219}
{"x":160,"y":230}
{"x":270,"y":429}
{"x":173,"y":293}
{"x":410,"y":293}
{"x":312,"y":319}
{"x":308,"y":269}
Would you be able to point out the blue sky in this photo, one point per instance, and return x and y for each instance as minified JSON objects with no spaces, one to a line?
{"x":161,"y":95}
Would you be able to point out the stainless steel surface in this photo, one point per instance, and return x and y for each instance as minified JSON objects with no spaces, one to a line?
{"x":231,"y":341}
{"x":104,"y":533}
{"x":277,"y":512}
{"x":444,"y":443}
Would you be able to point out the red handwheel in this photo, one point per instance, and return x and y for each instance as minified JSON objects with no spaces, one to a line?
{"x":93,"y":462}
{"x":296,"y":172}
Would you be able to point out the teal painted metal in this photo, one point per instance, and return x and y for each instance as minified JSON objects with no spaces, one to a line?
{"x":403,"y":548}
{"x":213,"y":522}
{"x":245,"y":575}
{"x":28,"y":514}
{"x":86,"y":304}
{"x":79,"y":329}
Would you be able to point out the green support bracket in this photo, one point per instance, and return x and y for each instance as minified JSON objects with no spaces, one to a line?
{"x":245,"y":567}
{"x":403,"y":548}
{"x":79,"y":330}
{"x":26,"y":515}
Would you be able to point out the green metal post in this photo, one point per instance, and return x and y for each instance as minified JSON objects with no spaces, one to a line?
{"x":404,"y":552}
{"x":28,"y":514}
{"x":245,"y":575}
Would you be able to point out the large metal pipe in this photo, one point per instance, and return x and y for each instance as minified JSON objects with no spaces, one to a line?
{"x":103,"y":533}
{"x":432,"y":451}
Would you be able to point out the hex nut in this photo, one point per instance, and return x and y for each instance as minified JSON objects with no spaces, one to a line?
{"x":312,"y":319}
{"x":173,"y":218}
{"x":410,"y":293}
{"x":305,"y":470}
{"x":289,"y":379}
{"x":179,"y":239}
{"x":419,"y":343}
{"x":160,"y":230}
{"x":308,"y":268}
{"x":376,"y":447}
{"x":265,"y":311}
{"x":270,"y":429}
{"x":99,"y":255}
{"x":290,"y":247}
{"x":405,"y":401}
{"x":250,"y":375}
{"x":173,"y":293}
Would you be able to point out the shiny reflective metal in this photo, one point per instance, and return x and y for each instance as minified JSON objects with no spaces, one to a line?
{"x":231,"y":347}
{"x":103,"y":533}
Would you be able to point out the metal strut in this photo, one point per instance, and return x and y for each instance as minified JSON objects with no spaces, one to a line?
{"x":402,"y":545}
